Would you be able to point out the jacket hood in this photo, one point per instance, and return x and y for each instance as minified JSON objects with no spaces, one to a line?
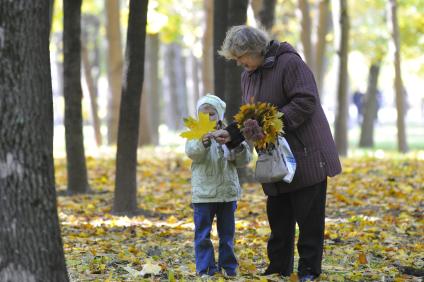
{"x":276,"y":49}
{"x":215,"y":102}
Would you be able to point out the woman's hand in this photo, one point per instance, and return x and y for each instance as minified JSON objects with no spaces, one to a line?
{"x":221,"y":136}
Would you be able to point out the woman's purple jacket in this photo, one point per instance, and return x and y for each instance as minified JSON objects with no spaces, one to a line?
{"x":285,"y":81}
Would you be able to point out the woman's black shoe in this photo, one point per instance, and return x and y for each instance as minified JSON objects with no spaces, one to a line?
{"x":271,"y":271}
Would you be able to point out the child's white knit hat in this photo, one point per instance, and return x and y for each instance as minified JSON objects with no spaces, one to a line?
{"x":215,"y":102}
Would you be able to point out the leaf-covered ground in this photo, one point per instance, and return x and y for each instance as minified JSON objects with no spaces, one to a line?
{"x":374,"y":224}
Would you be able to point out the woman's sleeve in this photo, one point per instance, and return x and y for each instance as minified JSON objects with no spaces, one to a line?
{"x":301,"y":89}
{"x":235,"y":134}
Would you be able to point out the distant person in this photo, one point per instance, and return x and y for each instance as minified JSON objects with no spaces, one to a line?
{"x":358,"y":101}
{"x":215,"y":191}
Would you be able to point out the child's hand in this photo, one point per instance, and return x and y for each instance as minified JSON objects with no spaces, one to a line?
{"x":206,"y":140}
{"x":222,"y":136}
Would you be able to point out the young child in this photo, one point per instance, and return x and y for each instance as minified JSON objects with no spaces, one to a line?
{"x":215,"y":191}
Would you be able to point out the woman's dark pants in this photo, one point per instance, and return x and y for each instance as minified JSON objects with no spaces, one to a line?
{"x":306,"y":207}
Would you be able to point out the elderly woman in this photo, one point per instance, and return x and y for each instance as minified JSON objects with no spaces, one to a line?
{"x":275,"y":73}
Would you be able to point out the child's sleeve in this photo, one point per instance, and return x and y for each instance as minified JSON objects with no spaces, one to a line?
{"x":195,"y":150}
{"x":243,"y":154}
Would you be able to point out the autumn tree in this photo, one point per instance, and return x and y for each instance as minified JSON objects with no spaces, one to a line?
{"x":114,"y":62}
{"x":264,"y":12}
{"x":125,"y":198}
{"x":398,"y":85}
{"x":237,"y":14}
{"x":342,"y":82}
{"x":91,"y":68}
{"x":220,"y":26}
{"x":150,"y":110}
{"x":77,"y":171}
{"x":369,"y":37}
{"x":315,"y":52}
{"x":324,"y":19}
{"x":306,"y":33}
{"x":208,"y":48}
{"x":30,"y":241}
{"x":231,"y":88}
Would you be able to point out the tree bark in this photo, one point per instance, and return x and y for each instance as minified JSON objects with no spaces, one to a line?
{"x":256,"y":8}
{"x":176,"y":86}
{"x":75,"y":155}
{"x":209,"y":49}
{"x":150,"y":110}
{"x":125,"y":198}
{"x":145,"y":128}
{"x":267,"y":14}
{"x":114,"y":58}
{"x":154,"y":44}
{"x":400,"y":94}
{"x":220,"y":26}
{"x":321,"y":45}
{"x":367,"y":129}
{"x":237,"y":14}
{"x":144,"y":138}
{"x":93,"y":95}
{"x":306,"y":32}
{"x":195,"y":79}
{"x":51,"y":12}
{"x":30,"y":241}
{"x":342,"y":84}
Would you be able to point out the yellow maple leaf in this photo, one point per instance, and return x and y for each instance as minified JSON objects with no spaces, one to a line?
{"x":198,"y":128}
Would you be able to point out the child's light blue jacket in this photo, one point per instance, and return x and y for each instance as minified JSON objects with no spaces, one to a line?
{"x":214,"y":176}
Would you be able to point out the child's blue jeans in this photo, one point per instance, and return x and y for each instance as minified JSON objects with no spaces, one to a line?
{"x":204,"y":214}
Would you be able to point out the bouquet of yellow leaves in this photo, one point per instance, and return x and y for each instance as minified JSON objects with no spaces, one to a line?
{"x":261,"y":123}
{"x":198,"y":128}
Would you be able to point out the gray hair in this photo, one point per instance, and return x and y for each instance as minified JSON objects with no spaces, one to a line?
{"x":241,"y":40}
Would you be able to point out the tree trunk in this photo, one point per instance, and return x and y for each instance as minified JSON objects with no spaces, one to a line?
{"x":30,"y":242}
{"x":180,"y":67}
{"x":267,"y":14}
{"x":51,"y":12}
{"x":150,"y":110}
{"x":176,"y":86}
{"x":93,"y":95}
{"x":195,"y":79}
{"x":75,"y":155}
{"x":169,"y":88}
{"x":342,"y":84}
{"x":145,"y":128}
{"x":209,"y":49}
{"x":220,"y":27}
{"x":400,"y":94}
{"x":321,"y":44}
{"x":114,"y":58}
{"x":125,"y":198}
{"x":237,"y":14}
{"x":256,"y":6}
{"x":370,"y":114}
{"x":306,"y":32}
{"x":154,"y":83}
